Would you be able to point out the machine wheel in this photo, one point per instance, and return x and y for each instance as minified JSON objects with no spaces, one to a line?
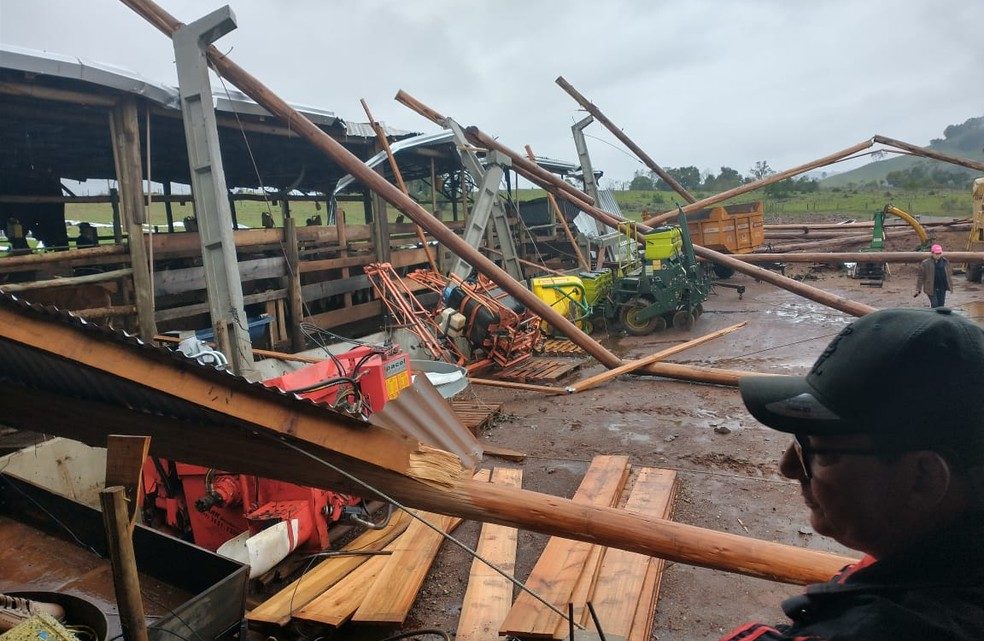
{"x":721,"y":271}
{"x":975,"y":272}
{"x":683,"y":320}
{"x":629,"y":317}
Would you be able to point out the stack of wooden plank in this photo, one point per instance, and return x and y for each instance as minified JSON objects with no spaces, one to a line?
{"x":377,"y":589}
{"x":621,"y":586}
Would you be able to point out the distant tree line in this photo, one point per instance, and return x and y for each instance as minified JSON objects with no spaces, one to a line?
{"x":922,"y":177}
{"x":692,"y":179}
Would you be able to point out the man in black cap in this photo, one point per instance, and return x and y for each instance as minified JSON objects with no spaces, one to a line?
{"x":888,"y":447}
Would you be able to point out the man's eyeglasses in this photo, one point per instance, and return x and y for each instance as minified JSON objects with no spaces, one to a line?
{"x":806,"y":453}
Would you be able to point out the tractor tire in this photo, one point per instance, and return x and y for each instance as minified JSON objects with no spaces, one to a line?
{"x":628,"y":316}
{"x":683,"y":320}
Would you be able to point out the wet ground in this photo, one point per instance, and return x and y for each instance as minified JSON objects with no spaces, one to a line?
{"x":726,"y":461}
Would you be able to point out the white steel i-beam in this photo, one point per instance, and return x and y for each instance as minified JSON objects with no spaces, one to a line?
{"x":208,"y":185}
{"x":487,"y":205}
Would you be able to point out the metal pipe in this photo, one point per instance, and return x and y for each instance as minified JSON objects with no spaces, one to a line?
{"x":768,"y":180}
{"x":859,"y":257}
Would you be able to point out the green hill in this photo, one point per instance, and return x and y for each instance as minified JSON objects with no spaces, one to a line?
{"x":965,"y":140}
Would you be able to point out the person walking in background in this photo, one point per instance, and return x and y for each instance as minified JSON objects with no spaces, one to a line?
{"x":935,"y":277}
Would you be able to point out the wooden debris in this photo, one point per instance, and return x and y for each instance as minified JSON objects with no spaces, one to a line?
{"x":622,"y":590}
{"x":561,"y":347}
{"x":539,"y":369}
{"x":488,"y":596}
{"x":277,"y":609}
{"x":503,"y":452}
{"x":476,"y":414}
{"x":556,"y":573}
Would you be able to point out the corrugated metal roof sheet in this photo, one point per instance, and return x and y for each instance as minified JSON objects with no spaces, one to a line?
{"x":53,"y":64}
{"x":47,"y":63}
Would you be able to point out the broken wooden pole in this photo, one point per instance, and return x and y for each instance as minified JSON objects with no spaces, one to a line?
{"x":763,"y":182}
{"x":618,"y":133}
{"x":632,"y":366}
{"x":857,"y":257}
{"x":930,"y":153}
{"x":351,"y":164}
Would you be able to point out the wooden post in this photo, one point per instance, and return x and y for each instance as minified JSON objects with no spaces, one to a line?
{"x":114,"y":202}
{"x":342,"y":232}
{"x":294,"y":285}
{"x":120,"y":502}
{"x":125,"y":132}
{"x":380,"y":228}
{"x":168,"y":212}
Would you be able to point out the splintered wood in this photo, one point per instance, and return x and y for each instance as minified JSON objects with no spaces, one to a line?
{"x":621,"y":586}
{"x":539,"y":370}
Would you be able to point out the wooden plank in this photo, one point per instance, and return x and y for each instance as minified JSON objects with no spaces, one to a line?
{"x":475,"y":415}
{"x":337,"y":604}
{"x":622,"y":580}
{"x":632,"y":366}
{"x":557,"y":570}
{"x":488,"y":596}
{"x":392,"y":594}
{"x":539,"y":369}
{"x":277,"y":609}
{"x":178,"y":281}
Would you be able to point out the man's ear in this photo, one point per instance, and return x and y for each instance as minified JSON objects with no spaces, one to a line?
{"x":931,"y":479}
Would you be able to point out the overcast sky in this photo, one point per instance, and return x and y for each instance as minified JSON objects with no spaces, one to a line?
{"x":697,"y":82}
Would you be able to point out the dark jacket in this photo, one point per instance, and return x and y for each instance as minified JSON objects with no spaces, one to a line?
{"x":926,"y":281}
{"x":932,"y":592}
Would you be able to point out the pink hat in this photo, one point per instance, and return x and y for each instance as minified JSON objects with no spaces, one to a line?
{"x":936,"y":249}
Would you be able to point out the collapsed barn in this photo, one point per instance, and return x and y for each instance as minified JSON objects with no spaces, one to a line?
{"x":219,"y":433}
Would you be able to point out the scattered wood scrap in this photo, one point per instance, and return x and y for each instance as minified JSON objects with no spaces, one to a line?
{"x":339,"y":587}
{"x":539,"y":370}
{"x":561,"y":347}
{"x":557,"y":572}
{"x":621,"y":586}
{"x":488,"y":596}
{"x":476,"y":414}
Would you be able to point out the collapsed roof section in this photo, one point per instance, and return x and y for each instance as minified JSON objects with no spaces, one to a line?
{"x":54,"y":120}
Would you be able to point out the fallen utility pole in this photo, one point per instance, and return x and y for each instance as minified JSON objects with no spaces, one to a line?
{"x":253,"y":88}
{"x":618,"y":133}
{"x":858,"y":257}
{"x":595,"y":381}
{"x":930,"y":153}
{"x":763,"y":182}
{"x":581,"y":200}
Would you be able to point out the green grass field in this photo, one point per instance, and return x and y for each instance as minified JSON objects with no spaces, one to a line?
{"x":850,"y":204}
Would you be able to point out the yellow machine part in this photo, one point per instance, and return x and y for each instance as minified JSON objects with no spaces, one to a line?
{"x":907,"y":217}
{"x":664,"y":243}
{"x":976,"y":239}
{"x":560,"y":292}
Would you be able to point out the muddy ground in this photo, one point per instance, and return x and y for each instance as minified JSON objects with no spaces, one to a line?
{"x":726,"y":461}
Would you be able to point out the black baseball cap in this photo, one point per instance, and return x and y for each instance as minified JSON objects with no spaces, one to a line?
{"x":916,"y":374}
